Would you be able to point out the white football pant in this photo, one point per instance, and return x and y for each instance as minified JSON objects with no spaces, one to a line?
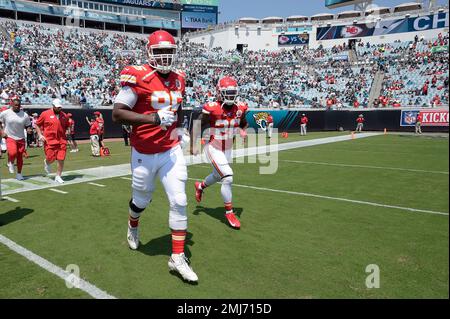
{"x":222,"y":171}
{"x":170,"y":168}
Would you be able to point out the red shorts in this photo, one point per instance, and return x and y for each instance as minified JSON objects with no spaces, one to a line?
{"x":15,"y":147}
{"x":55,"y":152}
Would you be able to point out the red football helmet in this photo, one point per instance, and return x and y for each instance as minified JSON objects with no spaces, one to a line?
{"x":227,"y":89}
{"x":161,"y":50}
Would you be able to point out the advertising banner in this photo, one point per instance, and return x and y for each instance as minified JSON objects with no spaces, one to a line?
{"x":166,"y":4}
{"x":293,"y":39}
{"x":202,"y":2}
{"x":340,"y":57}
{"x":429,"y":118}
{"x":198,"y":17}
{"x":384,"y":27}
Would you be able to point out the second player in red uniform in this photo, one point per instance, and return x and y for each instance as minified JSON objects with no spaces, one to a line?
{"x":226,"y":117}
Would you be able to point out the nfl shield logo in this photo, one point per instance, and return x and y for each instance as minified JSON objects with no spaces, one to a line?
{"x":410,"y":118}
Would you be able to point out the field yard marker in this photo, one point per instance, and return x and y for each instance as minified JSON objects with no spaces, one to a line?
{"x":11,"y":199}
{"x":57,"y":191}
{"x":98,"y":185}
{"x":339,"y":199}
{"x":52,"y":268}
{"x":369,"y":166}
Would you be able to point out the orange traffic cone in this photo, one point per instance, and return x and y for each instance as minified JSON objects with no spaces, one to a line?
{"x":353,"y":135}
{"x":385,"y":131}
{"x":202,"y":141}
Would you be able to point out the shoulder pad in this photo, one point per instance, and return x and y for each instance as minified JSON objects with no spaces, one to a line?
{"x":128,"y":76}
{"x":242,"y":105}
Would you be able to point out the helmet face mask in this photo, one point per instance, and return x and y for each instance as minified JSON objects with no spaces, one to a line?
{"x":229,"y":95}
{"x":161,"y":51}
{"x":228,"y":90}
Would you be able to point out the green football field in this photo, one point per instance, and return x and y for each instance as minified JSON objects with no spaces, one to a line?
{"x":308,"y":231}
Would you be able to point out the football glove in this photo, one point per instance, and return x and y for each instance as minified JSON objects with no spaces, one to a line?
{"x":166,"y":117}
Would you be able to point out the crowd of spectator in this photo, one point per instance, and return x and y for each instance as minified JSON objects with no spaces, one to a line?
{"x":41,"y":62}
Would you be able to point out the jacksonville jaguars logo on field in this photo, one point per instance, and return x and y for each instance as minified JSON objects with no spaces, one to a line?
{"x":261,"y":119}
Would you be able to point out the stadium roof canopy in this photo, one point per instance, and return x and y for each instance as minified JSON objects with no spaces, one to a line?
{"x":297,"y":18}
{"x":248,"y":20}
{"x":379,"y":10}
{"x":322,"y":17}
{"x":349,"y":14}
{"x":272,"y":20}
{"x":409,"y":6}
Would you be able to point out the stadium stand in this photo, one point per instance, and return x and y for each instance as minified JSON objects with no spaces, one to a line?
{"x":43,"y":61}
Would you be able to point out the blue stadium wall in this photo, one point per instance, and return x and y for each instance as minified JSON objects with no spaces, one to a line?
{"x":284,"y":120}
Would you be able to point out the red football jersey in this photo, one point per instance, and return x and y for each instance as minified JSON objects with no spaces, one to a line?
{"x":224,"y":123}
{"x":360,"y":120}
{"x":154,"y":92}
{"x":304,"y":120}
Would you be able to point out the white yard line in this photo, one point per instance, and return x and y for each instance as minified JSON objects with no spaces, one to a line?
{"x":98,"y":185}
{"x":368,"y":166}
{"x":126,"y":178}
{"x":11,"y":199}
{"x":52,"y":268}
{"x":58,"y":191}
{"x":338,"y":199}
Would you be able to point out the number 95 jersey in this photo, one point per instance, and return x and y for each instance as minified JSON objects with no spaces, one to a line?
{"x":146,"y":91}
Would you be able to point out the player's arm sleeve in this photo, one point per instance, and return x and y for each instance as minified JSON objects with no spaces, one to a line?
{"x":126,"y":96}
{"x":40,"y":121}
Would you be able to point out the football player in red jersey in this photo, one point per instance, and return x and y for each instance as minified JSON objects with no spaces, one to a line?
{"x":150,"y":100}
{"x":225,"y":117}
